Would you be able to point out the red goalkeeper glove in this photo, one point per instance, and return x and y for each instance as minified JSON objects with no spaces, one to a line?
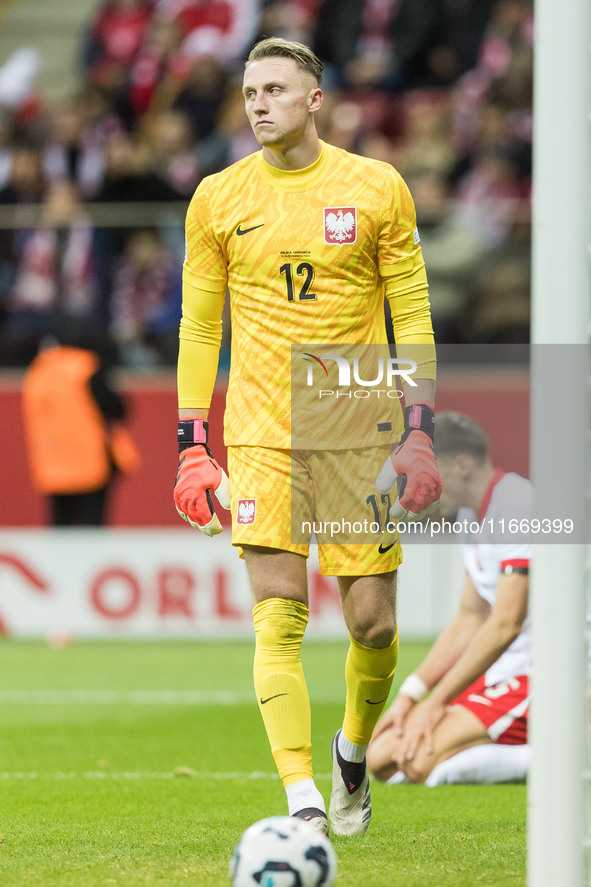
{"x":198,"y":474}
{"x":413,"y":466}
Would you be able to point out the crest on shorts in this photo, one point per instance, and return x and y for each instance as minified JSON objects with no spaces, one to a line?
{"x":340,"y":224}
{"x":246,"y":511}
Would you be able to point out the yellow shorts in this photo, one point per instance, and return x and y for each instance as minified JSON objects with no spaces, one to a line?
{"x":282,"y":498}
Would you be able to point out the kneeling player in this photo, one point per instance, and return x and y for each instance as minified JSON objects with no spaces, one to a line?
{"x":473,"y":725}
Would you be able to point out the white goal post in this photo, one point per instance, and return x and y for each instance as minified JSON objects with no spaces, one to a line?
{"x":558,"y":791}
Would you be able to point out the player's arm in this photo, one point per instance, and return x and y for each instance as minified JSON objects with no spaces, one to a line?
{"x":413,"y":460}
{"x":498,"y":631}
{"x":455,"y":638}
{"x":200,"y":337}
{"x":446,"y":650}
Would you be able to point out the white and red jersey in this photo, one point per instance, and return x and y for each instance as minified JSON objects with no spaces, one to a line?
{"x":508,"y":502}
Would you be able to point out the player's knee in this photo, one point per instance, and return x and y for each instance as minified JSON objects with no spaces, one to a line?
{"x":381,"y":760}
{"x":371,"y":633}
{"x":418,"y":770}
{"x":379,"y":756}
{"x":382,"y":768}
{"x":380,"y":765}
{"x":280,"y":623}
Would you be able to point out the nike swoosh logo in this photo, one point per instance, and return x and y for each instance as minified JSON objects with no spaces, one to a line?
{"x":240,"y":231}
{"x":268,"y":699}
{"x":384,"y":548}
{"x":379,"y":702}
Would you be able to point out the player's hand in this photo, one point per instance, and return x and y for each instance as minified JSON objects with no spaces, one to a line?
{"x":394,"y":718}
{"x":413,"y":467}
{"x":197,"y":477}
{"x":419,"y":729}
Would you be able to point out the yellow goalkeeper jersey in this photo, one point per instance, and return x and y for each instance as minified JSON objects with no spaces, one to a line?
{"x":306,"y":257}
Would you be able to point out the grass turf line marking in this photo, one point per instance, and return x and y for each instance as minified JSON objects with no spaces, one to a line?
{"x":135,"y":697}
{"x":124,"y":697}
{"x":60,"y":776}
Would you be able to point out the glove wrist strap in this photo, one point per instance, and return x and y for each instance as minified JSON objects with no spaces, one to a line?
{"x":191,"y":432}
{"x":419,"y":417}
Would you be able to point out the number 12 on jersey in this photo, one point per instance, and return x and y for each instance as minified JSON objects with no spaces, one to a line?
{"x":303,"y":270}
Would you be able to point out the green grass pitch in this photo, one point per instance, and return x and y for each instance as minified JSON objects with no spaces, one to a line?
{"x":141,"y":763}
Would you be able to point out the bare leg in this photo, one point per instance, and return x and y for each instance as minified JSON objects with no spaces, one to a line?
{"x":369,"y":607}
{"x":276,"y":574}
{"x":457,"y":730}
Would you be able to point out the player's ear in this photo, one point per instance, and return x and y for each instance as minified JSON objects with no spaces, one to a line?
{"x":315,"y":100}
{"x":463,"y":464}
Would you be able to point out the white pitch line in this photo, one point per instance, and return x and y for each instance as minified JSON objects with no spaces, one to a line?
{"x":136,"y":697}
{"x":118,"y":697}
{"x":60,"y":776}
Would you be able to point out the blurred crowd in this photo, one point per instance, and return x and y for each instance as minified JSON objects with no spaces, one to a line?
{"x":93,"y":188}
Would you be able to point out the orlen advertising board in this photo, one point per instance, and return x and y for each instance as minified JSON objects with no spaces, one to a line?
{"x":66,"y":584}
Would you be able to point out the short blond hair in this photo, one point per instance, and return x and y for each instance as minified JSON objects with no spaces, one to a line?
{"x":277,"y":47}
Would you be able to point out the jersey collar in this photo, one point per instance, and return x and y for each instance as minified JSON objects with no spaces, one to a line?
{"x":294,"y":179}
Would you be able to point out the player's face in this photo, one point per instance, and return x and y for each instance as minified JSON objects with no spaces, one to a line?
{"x":280,"y":99}
{"x":454,"y":486}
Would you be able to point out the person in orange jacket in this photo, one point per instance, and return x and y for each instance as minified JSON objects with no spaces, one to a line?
{"x":76,"y":442}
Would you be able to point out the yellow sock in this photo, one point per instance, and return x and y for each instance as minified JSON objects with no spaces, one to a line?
{"x":280,"y":685}
{"x":369,"y":673}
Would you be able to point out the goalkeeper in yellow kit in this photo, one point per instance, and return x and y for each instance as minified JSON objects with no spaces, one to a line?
{"x":306,"y":239}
